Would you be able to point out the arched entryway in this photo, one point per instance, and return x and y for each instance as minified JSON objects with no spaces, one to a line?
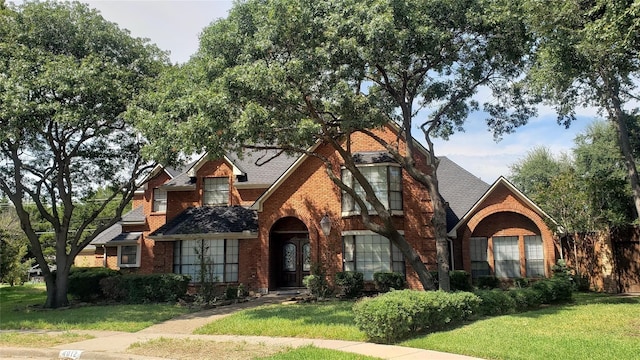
{"x":290,"y":253}
{"x":507,"y":245}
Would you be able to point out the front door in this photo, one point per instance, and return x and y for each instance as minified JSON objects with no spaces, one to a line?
{"x":296,"y":261}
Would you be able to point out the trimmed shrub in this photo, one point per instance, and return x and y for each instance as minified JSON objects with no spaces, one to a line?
{"x":398,"y":314}
{"x":84,"y":282}
{"x":153,"y":288}
{"x":385,"y":281}
{"x":556,"y":289}
{"x":112,"y":288}
{"x":487,"y":282}
{"x":460,"y":281}
{"x":317,"y":283}
{"x":495,"y":302}
{"x":351,"y":283}
{"x":525,"y":298}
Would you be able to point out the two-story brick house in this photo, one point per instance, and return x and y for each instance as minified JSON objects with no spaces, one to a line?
{"x":262,"y":225}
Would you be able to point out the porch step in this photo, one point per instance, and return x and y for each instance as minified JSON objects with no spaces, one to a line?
{"x":287,"y":292}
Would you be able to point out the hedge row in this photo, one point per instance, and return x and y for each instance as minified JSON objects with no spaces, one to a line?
{"x":396,"y":314}
{"x":87,"y":284}
{"x":546,"y":291}
{"x":140,"y":289}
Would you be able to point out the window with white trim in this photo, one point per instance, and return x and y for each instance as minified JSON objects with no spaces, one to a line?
{"x":218,"y":258}
{"x":386,"y":181}
{"x":369,"y":254}
{"x":534,"y":256}
{"x":128,"y":256}
{"x":479,"y":260}
{"x":159,"y":200}
{"x":215,"y":191}
{"x":506,"y":256}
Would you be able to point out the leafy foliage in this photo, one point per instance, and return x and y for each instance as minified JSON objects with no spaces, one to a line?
{"x":13,"y":249}
{"x":385,"y":281}
{"x":397,"y":314}
{"x":63,"y":93}
{"x":350,"y":283}
{"x":587,"y":55}
{"x":290,"y":73}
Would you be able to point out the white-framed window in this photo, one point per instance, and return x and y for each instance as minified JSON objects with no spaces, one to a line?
{"x":215,"y":191}
{"x":369,"y":254}
{"x":217,"y":258}
{"x":534,"y":256}
{"x":128,"y":256}
{"x":479,"y":259}
{"x":386,"y":181}
{"x":506,"y":256}
{"x":159,"y":200}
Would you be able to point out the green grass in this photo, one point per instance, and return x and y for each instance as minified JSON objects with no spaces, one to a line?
{"x":331,"y":320}
{"x":313,"y":353}
{"x":39,"y":340}
{"x":594,"y":327}
{"x":19,"y":310}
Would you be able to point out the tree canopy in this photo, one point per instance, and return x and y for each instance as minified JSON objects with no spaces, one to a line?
{"x":586,"y":191}
{"x":289,"y":73}
{"x":66,"y":79}
{"x":587,"y":53}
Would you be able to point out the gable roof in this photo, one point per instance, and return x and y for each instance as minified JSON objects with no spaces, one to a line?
{"x":134,"y":217}
{"x":459,"y":188}
{"x":519,"y":194}
{"x":254,"y":169}
{"x":222,"y":222}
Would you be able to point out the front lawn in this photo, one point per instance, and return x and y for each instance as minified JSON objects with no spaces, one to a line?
{"x":594,"y":326}
{"x":329,"y":320}
{"x":21,"y":309}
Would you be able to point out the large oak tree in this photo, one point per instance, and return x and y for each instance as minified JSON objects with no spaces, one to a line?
{"x":294,"y":72}
{"x":588,"y":54}
{"x":66,"y":78}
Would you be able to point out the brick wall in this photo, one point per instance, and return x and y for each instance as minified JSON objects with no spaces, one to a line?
{"x":309,"y":194}
{"x":503,"y":213}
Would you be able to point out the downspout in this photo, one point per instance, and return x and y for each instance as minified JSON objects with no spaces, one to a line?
{"x":104,"y":256}
{"x":452,"y":263}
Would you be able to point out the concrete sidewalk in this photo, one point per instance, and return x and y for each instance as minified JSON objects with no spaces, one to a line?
{"x":112,"y":345}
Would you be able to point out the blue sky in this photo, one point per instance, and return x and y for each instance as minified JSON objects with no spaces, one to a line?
{"x":176,"y":25}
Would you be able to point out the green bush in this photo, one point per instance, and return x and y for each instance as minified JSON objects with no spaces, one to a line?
{"x":398,"y":314}
{"x":556,"y":289}
{"x":112,"y":288}
{"x":460,"y":281}
{"x":154,"y":287}
{"x":351,"y":283}
{"x":525,"y":298}
{"x":385,"y":281}
{"x":317,"y":283}
{"x":84,"y":282}
{"x":495,"y":302}
{"x":487,"y":282}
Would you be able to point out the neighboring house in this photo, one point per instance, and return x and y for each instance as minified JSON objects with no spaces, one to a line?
{"x":261,"y":225}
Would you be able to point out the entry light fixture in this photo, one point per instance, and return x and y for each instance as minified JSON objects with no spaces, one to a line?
{"x":325,"y":225}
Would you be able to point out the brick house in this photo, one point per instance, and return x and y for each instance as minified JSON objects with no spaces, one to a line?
{"x":261,"y":225}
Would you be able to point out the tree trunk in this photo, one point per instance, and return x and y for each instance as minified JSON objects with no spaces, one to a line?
{"x":439,"y":222}
{"x":411,"y":256}
{"x":625,"y":146}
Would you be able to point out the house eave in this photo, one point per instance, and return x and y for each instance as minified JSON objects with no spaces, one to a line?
{"x":228,"y":235}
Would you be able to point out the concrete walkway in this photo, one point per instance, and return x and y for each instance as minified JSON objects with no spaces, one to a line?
{"x":112,"y":345}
